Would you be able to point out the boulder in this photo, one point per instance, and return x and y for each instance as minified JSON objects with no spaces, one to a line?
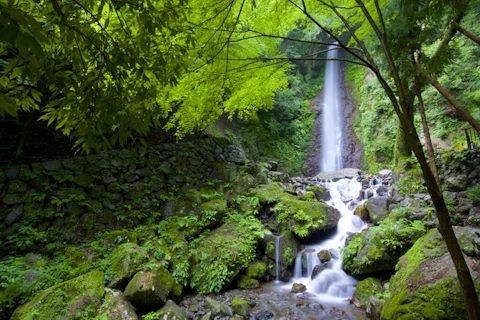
{"x":150,"y":289}
{"x":377,"y":208}
{"x":426,"y":285}
{"x":115,"y":306}
{"x":346,"y":173}
{"x":125,"y":261}
{"x":362,"y":212}
{"x":365,"y":289}
{"x":172,"y":311}
{"x":218,"y":308}
{"x":303,"y":218}
{"x":298,"y":287}
{"x":456,"y":183}
{"x":241,"y":307}
{"x":78,"y":298}
{"x":324,"y":255}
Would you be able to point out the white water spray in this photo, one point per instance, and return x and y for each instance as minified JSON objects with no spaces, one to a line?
{"x":277,"y":258}
{"x":331,"y":151}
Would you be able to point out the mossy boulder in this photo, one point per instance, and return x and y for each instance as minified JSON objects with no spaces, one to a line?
{"x":245,"y":282}
{"x":218,"y":308}
{"x":117,"y":237}
{"x":115,"y":306}
{"x":223,"y":253}
{"x":367,"y":288}
{"x":378,"y":248}
{"x":256,"y":270}
{"x":289,"y":247}
{"x":270,"y":193}
{"x":125,"y":262}
{"x":79,"y":259}
{"x":172,"y":311}
{"x":426,"y":285}
{"x":212,"y":211}
{"x":241,"y":307}
{"x":303,"y":218}
{"x":78,"y":298}
{"x":321,"y":194}
{"x":150,"y":289}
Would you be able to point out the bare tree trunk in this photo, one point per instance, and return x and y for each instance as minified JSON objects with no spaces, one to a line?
{"x":426,"y":133}
{"x":466,"y":32}
{"x":455,"y":104}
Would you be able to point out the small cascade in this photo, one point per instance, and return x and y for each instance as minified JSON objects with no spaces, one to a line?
{"x":277,"y":257}
{"x":327,"y":280}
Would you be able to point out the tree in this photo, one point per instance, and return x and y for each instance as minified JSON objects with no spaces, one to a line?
{"x":106,"y":72}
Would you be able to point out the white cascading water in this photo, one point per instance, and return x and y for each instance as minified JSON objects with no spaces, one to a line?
{"x":277,"y":258}
{"x":331,"y":150}
{"x":332,"y":284}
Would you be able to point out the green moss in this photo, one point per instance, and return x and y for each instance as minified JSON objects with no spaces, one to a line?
{"x":220,"y":255}
{"x":125,"y":262}
{"x":119,"y":237}
{"x":245,"y":282}
{"x":303,"y":217}
{"x":73,"y":299}
{"x":256,"y":270}
{"x":425,"y":285}
{"x":366,"y":288}
{"x":270,"y":193}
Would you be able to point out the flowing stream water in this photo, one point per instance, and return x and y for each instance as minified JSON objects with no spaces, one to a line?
{"x":332,"y":120}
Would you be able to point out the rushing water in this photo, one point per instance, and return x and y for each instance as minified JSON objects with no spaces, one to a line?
{"x":331,"y":148}
{"x":332,"y":285}
{"x":277,"y":258}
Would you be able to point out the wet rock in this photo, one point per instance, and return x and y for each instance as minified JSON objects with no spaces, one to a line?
{"x":456,"y":183}
{"x":12,"y":172}
{"x":172,"y":311}
{"x":263,"y":315}
{"x":319,"y":268}
{"x":298,"y":287}
{"x":324,"y":255}
{"x":241,"y":307}
{"x":218,"y":308}
{"x":346,"y":173}
{"x":13,"y":216}
{"x":377,"y":208}
{"x":363,"y":213}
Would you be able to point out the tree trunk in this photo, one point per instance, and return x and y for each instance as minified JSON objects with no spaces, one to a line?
{"x":455,"y":104}
{"x":426,"y":133}
{"x":466,"y":32}
{"x":24,"y":135}
{"x":445,"y":226}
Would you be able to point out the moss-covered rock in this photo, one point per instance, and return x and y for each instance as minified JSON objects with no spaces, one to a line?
{"x":425,"y":285}
{"x":256,"y":270}
{"x":241,"y":307}
{"x":321,"y":194}
{"x":378,"y":248}
{"x":303,"y":218}
{"x":171,"y":311}
{"x":218,"y":308}
{"x":377,"y":207}
{"x":79,"y":259}
{"x":150,"y":289}
{"x":117,"y":237}
{"x":220,"y":256}
{"x":115,"y":306}
{"x":367,"y":288}
{"x":245,"y":282}
{"x":125,"y":261}
{"x":78,"y":298}
{"x":270,"y":193}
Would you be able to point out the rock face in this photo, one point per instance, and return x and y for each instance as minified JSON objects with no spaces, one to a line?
{"x":425,"y":285}
{"x":377,"y":208}
{"x":346,"y":173}
{"x":78,"y":298}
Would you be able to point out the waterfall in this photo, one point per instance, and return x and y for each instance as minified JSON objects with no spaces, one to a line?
{"x":331,"y":283}
{"x":332,"y":120}
{"x":277,"y":258}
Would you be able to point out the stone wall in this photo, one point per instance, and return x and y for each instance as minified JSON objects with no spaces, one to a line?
{"x":80,"y":196}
